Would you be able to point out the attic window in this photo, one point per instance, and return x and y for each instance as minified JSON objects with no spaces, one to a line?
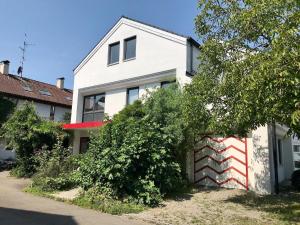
{"x":26,"y":87}
{"x":69,"y":98}
{"x":45,"y":92}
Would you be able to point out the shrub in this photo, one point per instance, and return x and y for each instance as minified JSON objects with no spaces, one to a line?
{"x":27,"y":133}
{"x":55,"y":170}
{"x":140,"y":154}
{"x":99,"y":199}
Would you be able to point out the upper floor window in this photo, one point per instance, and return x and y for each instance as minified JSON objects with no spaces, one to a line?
{"x":113,"y":53}
{"x":166,"y":84}
{"x":130,"y":48}
{"x":52,"y":112}
{"x":93,"y":108}
{"x":132,"y":95}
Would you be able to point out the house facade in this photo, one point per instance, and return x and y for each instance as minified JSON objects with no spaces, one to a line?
{"x":135,"y":57}
{"x":51,"y":102}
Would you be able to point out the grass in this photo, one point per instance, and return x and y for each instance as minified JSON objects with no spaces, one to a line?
{"x":285,"y":206}
{"x":107,"y":205}
{"x":99,"y":203}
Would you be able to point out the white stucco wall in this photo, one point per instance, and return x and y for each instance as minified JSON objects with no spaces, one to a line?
{"x":43,"y":110}
{"x":156,"y":51}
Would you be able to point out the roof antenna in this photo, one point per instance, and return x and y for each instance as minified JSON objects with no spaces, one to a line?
{"x":23,"y":49}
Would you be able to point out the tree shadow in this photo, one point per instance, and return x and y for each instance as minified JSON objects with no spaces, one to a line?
{"x":10,"y":216}
{"x":285,"y":205}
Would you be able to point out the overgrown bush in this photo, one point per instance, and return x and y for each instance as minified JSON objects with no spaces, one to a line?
{"x":140,"y":155}
{"x":6,"y":108}
{"x":28,"y":134}
{"x":55,"y":168}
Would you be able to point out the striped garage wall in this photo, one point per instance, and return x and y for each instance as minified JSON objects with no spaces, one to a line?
{"x":221,"y":162}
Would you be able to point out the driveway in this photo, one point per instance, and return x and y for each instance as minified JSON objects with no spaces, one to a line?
{"x":19,"y":208}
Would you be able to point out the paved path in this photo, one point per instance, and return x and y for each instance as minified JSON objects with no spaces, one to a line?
{"x":19,"y":208}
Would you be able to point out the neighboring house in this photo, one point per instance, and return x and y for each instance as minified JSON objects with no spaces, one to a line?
{"x":51,"y":102}
{"x":134,"y":57}
{"x":296,"y":152}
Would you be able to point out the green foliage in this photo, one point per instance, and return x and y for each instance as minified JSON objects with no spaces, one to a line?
{"x":140,"y":154}
{"x":6,"y":108}
{"x":55,"y":168}
{"x":249,"y":73}
{"x":27,"y":133}
{"x":95,"y":199}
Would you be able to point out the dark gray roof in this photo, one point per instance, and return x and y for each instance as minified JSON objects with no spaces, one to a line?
{"x":189,"y":38}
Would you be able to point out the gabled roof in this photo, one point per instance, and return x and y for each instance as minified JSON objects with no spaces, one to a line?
{"x":189,"y":38}
{"x":28,"y":89}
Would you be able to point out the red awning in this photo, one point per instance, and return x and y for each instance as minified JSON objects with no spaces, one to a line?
{"x":84,"y":125}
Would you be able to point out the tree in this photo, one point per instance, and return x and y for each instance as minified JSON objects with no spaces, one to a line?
{"x":27,"y":133}
{"x":249,"y":73}
{"x":6,"y":108}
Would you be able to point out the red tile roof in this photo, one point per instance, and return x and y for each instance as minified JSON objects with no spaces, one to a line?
{"x":15,"y":86}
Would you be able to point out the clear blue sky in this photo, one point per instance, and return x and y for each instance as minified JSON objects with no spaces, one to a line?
{"x":64,"y":31}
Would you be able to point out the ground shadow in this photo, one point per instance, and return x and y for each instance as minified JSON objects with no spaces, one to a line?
{"x":10,"y":216}
{"x":285,"y":205}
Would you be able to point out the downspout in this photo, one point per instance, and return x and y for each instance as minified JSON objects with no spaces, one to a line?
{"x":276,"y":185}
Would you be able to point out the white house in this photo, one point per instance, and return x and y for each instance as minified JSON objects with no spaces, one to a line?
{"x":134,"y":56}
{"x":51,"y":102}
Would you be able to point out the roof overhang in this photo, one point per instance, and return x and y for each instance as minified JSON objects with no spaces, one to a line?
{"x":84,"y":125}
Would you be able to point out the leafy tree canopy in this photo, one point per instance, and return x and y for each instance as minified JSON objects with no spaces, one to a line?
{"x":6,"y":108}
{"x":249,"y":73}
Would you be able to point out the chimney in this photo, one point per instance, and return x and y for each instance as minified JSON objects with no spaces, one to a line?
{"x":4,"y":67}
{"x":60,"y":82}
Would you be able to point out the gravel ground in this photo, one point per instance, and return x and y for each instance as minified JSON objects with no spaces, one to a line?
{"x":213,"y":206}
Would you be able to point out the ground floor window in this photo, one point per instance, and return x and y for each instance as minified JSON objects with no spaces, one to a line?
{"x":84,"y":144}
{"x":166,"y":84}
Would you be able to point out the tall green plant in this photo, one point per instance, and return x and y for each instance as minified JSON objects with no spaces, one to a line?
{"x":137,"y":155}
{"x":6,"y":108}
{"x":27,"y":133}
{"x":249,"y":65}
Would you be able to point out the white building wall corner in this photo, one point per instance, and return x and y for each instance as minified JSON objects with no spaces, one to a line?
{"x":259,"y":161}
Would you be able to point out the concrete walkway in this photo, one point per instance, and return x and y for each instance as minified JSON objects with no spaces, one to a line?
{"x":19,"y":208}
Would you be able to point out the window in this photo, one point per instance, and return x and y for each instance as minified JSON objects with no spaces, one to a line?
{"x":166,"y":84}
{"x":52,"y":112}
{"x":45,"y":92}
{"x":130,"y":48}
{"x":93,"y":108}
{"x":297,"y":148}
{"x":84,"y":144}
{"x":113,"y":53}
{"x":279,"y":143}
{"x":132,"y":95}
{"x":297,"y":164}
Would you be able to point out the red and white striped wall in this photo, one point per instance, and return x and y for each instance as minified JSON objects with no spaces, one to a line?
{"x":221,"y":162}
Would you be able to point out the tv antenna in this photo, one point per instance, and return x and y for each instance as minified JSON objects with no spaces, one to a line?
{"x":23,"y":49}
